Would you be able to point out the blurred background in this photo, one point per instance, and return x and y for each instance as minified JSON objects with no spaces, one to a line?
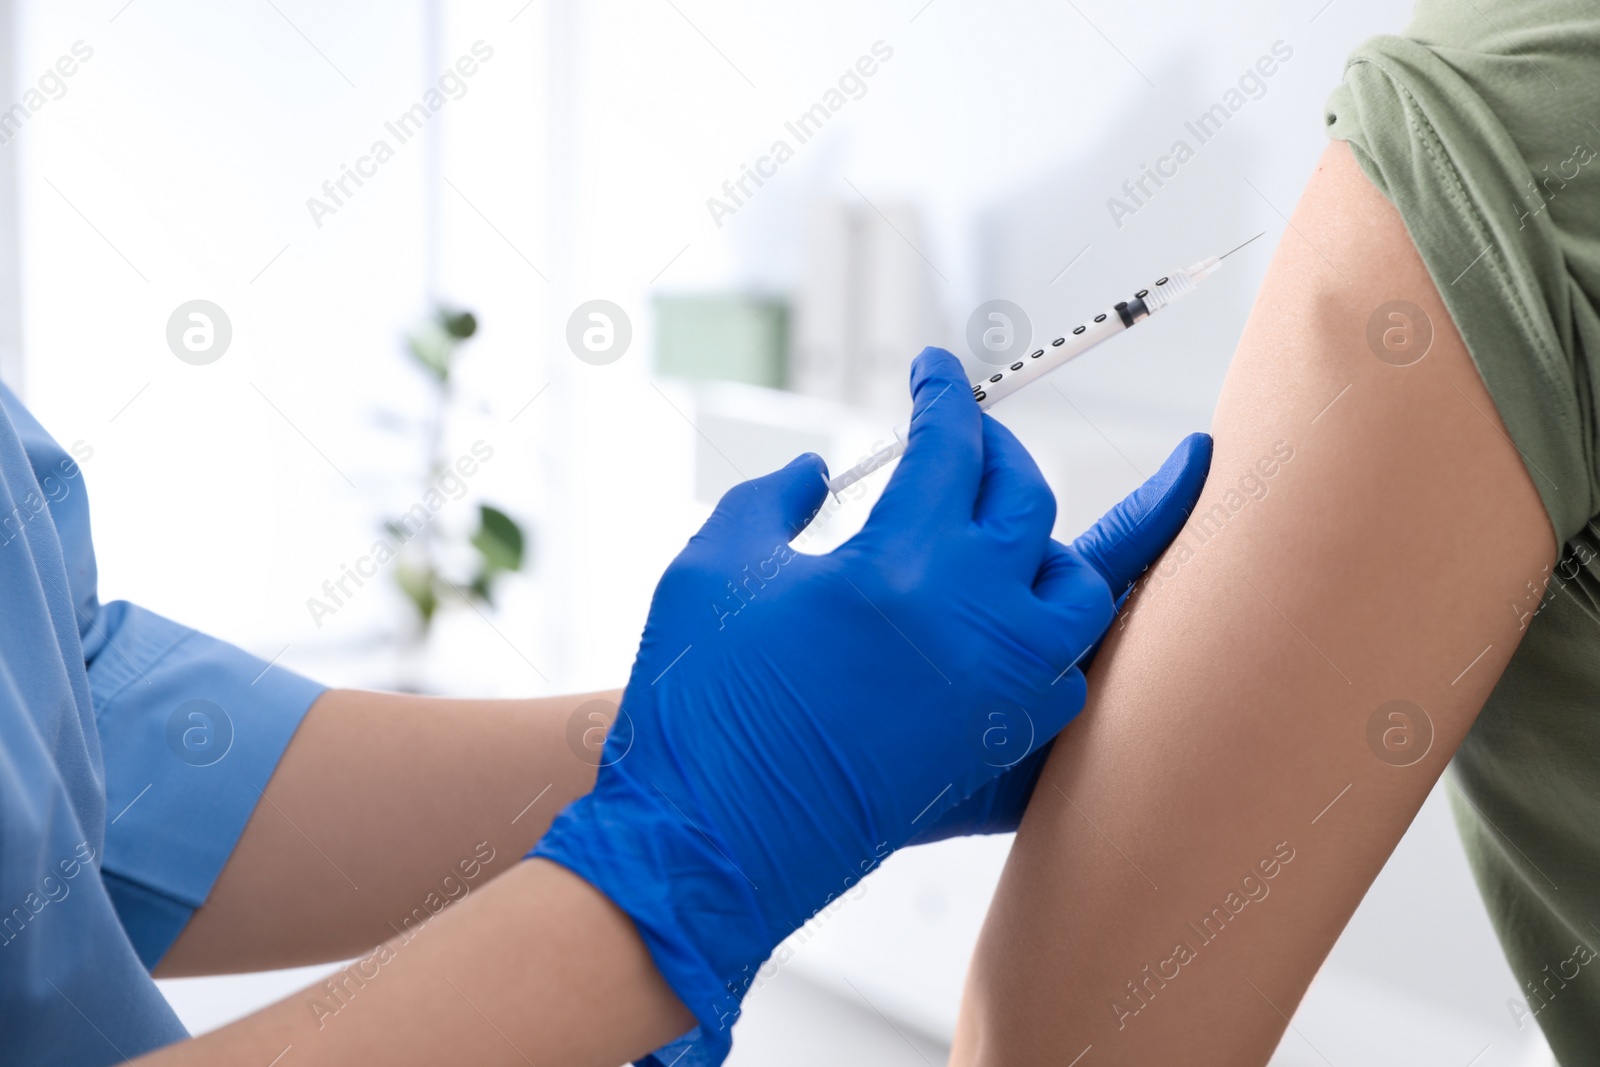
{"x":239,"y":246}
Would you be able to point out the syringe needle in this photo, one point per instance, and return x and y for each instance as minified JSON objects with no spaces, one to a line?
{"x":1231,"y":251}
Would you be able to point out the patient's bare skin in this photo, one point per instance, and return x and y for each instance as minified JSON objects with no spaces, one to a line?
{"x":1202,"y":833}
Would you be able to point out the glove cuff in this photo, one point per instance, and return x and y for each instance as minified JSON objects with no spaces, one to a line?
{"x":695,"y":912}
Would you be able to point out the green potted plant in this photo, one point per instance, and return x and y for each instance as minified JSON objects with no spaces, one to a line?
{"x":497,"y":547}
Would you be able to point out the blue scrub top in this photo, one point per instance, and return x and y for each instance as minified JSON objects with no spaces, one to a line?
{"x":132,"y":752}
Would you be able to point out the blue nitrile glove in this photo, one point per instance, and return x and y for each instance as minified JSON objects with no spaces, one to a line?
{"x":791,"y":720}
{"x":1125,"y":541}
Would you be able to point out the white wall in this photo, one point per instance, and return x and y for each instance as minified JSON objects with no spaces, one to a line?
{"x":10,"y":283}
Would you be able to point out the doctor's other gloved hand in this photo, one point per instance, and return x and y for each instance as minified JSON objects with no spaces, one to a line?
{"x":791,"y":720}
{"x":1120,"y":547}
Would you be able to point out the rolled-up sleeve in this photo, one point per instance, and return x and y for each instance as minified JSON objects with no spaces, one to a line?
{"x":191,"y":728}
{"x":1479,"y":132}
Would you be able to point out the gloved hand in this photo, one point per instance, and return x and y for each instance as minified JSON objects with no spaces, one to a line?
{"x":1125,"y":541}
{"x":791,"y":720}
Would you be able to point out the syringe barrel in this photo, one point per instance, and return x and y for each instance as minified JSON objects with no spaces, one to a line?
{"x":1179,"y":284}
{"x":1001,"y":381}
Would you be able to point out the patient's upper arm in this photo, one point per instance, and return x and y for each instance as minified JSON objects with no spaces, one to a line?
{"x":1287,"y":684}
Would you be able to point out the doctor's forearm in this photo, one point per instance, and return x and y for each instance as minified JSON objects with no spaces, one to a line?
{"x":537,"y":968}
{"x":384,"y":809}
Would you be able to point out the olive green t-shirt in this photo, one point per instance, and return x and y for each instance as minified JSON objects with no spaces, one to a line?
{"x":1482,"y":125}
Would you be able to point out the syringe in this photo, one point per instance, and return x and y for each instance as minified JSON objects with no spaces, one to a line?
{"x":1167,"y":290}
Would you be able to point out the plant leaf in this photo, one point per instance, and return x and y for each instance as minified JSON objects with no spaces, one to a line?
{"x":499,"y":539}
{"x":432,"y":349}
{"x":458,"y":324}
{"x":419,"y":586}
